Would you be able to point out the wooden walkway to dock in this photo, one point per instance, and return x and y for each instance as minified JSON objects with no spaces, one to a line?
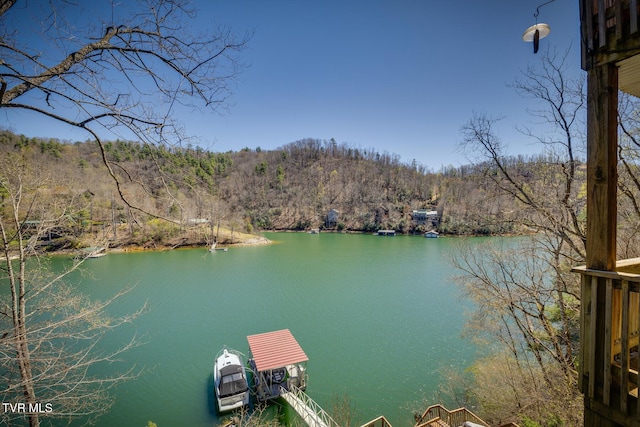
{"x":310,"y":412}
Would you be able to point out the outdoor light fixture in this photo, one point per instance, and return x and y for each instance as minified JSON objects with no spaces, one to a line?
{"x":538,"y":31}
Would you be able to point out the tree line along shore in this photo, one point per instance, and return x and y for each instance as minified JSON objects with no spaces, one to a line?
{"x":164,"y":197}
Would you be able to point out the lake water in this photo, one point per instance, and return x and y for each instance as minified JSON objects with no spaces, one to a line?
{"x":378,"y":317}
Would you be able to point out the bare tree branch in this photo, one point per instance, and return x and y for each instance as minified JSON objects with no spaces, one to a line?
{"x":527,"y":298}
{"x":121,"y":78}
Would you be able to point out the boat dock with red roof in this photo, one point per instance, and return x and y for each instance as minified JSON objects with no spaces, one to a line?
{"x":278,"y":363}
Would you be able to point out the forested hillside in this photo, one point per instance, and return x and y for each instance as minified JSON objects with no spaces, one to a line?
{"x":291,"y":188}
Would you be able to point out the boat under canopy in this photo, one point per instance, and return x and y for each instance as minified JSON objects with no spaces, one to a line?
{"x":278,"y":363}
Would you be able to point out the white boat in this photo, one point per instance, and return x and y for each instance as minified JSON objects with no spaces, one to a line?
{"x":230,"y":381}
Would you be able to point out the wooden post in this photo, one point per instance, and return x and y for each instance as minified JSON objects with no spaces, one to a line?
{"x":602,"y":144}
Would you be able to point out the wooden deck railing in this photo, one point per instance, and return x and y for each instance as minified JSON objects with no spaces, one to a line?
{"x":381,"y":421}
{"x":456,"y":417}
{"x":610,"y":320}
{"x":607,"y":26}
{"x":436,"y":415}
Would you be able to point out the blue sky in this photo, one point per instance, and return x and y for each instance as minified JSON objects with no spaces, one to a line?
{"x":397,"y":76}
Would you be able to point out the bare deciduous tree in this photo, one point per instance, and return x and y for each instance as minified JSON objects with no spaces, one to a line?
{"x":50,"y":333}
{"x":629,"y":176}
{"x":531,"y":303}
{"x":122,"y":76}
{"x":517,"y":316}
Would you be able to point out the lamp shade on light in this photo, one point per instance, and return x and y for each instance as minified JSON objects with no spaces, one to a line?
{"x":534,"y":33}
{"x":543,"y":30}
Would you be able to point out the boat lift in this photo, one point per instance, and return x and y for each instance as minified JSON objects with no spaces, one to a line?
{"x":279,"y":370}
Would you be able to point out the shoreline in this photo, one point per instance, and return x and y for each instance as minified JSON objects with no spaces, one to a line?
{"x":228,"y":240}
{"x":153,"y":247}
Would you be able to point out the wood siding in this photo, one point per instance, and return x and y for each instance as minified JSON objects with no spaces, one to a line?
{"x":609,"y":31}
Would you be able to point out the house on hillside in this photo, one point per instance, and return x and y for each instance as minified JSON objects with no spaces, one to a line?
{"x":332,"y":218}
{"x":425,"y":217}
{"x":610,"y":291}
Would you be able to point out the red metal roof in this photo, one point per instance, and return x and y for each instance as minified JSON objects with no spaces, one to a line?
{"x":275,"y":350}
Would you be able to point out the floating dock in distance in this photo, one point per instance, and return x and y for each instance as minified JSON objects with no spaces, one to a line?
{"x":386,"y":232}
{"x":432,"y":234}
{"x":278,"y":363}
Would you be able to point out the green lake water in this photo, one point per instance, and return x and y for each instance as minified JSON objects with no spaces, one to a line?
{"x":378,"y":317}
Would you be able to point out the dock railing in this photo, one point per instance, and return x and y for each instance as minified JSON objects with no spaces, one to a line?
{"x":307,"y":408}
{"x":610,"y":320}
